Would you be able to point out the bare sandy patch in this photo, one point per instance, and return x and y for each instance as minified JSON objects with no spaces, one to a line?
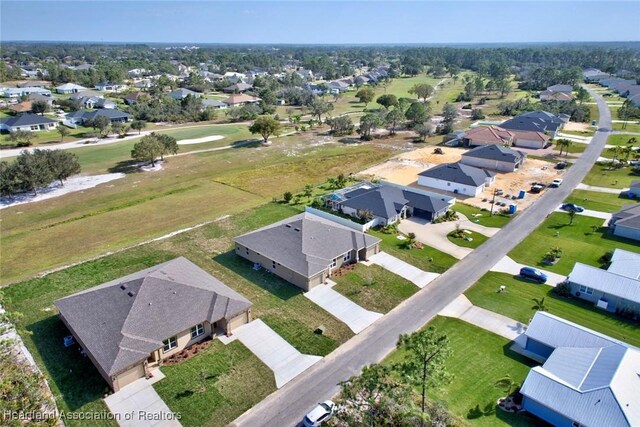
{"x":200,"y":140}
{"x":575,"y":126}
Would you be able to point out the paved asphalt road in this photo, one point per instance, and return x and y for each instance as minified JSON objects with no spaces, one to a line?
{"x":287,"y":406}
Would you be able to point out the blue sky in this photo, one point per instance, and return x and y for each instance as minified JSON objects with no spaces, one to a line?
{"x":329,"y":22}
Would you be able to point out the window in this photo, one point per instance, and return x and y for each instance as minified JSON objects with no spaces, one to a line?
{"x":169,"y":344}
{"x":586,"y":290}
{"x":334,"y":262}
{"x":247,"y":249}
{"x":273,"y":264}
{"x":347,"y":257}
{"x":197,"y":330}
{"x":448,"y":184}
{"x":34,"y":127}
{"x":576,"y":424}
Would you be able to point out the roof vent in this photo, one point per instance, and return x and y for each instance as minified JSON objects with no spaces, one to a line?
{"x":123,"y":287}
{"x":131,"y":293}
{"x":174,"y":292}
{"x":149,"y":304}
{"x":288,"y":225}
{"x":297,"y":229}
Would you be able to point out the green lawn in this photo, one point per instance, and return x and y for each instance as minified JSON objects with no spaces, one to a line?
{"x":631,"y":126}
{"x":579,"y":132}
{"x":517,"y":300}
{"x":51,"y":136}
{"x":304,"y":340}
{"x":427,"y":258}
{"x":476,"y":239}
{"x":603,"y":176}
{"x":481,"y":217}
{"x":595,"y":200}
{"x":574,"y":148}
{"x":622,"y":139}
{"x":234,"y":381}
{"x":579,"y":243}
{"x":374,"y":288}
{"x":479,"y":359}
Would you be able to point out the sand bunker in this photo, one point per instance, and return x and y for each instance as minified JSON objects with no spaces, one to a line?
{"x":200,"y":140}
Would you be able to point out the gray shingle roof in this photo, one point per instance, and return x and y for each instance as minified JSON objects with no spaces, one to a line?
{"x":495,"y":152}
{"x":120,"y":327}
{"x":183,"y":93}
{"x":26,"y":119}
{"x":305,"y":243}
{"x":458,"y":173}
{"x":536,"y":121}
{"x":589,"y":377}
{"x":561,"y":88}
{"x":629,"y":216}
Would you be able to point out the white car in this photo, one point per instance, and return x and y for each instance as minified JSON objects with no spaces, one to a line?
{"x":556,"y":182}
{"x":319,"y":414}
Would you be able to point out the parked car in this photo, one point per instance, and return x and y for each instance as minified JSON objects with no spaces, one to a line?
{"x":561,"y":165}
{"x":536,"y":188}
{"x":570,"y":207}
{"x":556,"y":182}
{"x":319,"y":414}
{"x":534,"y":274}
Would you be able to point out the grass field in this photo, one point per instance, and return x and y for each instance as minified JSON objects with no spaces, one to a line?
{"x":78,"y":385}
{"x":190,"y":190}
{"x":622,"y":140}
{"x":427,"y":259}
{"x":517,"y":300}
{"x":235,"y":380}
{"x":574,"y":148}
{"x":580,"y":132}
{"x":51,"y":136}
{"x":597,"y":201}
{"x":374,"y":288}
{"x":481,"y":217}
{"x":579,"y":242}
{"x":631,"y":127}
{"x":479,"y":359}
{"x":603,"y":176}
{"x":476,"y":239}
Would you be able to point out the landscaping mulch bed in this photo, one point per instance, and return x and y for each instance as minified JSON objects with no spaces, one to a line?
{"x":188,"y":353}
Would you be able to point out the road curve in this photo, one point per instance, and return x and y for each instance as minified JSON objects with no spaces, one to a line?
{"x":287,"y":406}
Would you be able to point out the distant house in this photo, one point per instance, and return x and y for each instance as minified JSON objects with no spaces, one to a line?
{"x":594,"y":75}
{"x":305,"y":249}
{"x":338,"y":86}
{"x":457,"y":178}
{"x":70,"y":88}
{"x":17,"y":92}
{"x":561,"y":88}
{"x":131,"y":324}
{"x":182,"y":93}
{"x":109,"y":87}
{"x":494,"y":157}
{"x":143,"y":84}
{"x":241,"y":99}
{"x":27,"y":122}
{"x":132,"y":98}
{"x":613,"y":289}
{"x":388,"y":203}
{"x":33,"y":97}
{"x":535,"y":121}
{"x":86,"y":94}
{"x":305,"y":74}
{"x":587,"y":379}
{"x":137,"y":72}
{"x":530,"y":139}
{"x":237,"y":88}
{"x":548,"y":95}
{"x":634,"y":188}
{"x":96,"y":102}
{"x":487,"y":135}
{"x":214,"y":103}
{"x":626,"y":222}
{"x":83,"y":116}
{"x":22,"y":107}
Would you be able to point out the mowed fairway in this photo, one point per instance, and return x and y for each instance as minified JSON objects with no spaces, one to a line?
{"x":190,"y":190}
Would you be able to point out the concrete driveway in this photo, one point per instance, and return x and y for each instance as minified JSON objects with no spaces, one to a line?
{"x":509,"y":266}
{"x":435,"y":235}
{"x":397,"y":266}
{"x":606,"y":216}
{"x":281,"y":357}
{"x":138,"y":405}
{"x":347,"y":311}
{"x":461,"y":308}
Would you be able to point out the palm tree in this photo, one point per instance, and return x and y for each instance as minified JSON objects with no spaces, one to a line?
{"x":538,"y":304}
{"x":564,"y":145}
{"x":572,"y":215}
{"x":615,"y":151}
{"x":506,"y":383}
{"x":632,"y":140}
{"x":627,"y":151}
{"x":556,"y":252}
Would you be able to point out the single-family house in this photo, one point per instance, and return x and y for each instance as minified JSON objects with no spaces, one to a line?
{"x":305,"y":249}
{"x":487,"y":135}
{"x":494,"y":157}
{"x":237,"y":88}
{"x":594,"y":75}
{"x":68,"y":88}
{"x":22,"y":107}
{"x":137,"y":72}
{"x":457,"y":178}
{"x":626,"y":222}
{"x":587,"y":379}
{"x":561,"y":88}
{"x":182,"y":93}
{"x":110,"y":87}
{"x":86,"y":94}
{"x":132,"y":98}
{"x":143,"y":84}
{"x":83,"y":116}
{"x":530,"y":139}
{"x":130,"y":324}
{"x":237,"y":100}
{"x":634,"y":188}
{"x":548,"y":95}
{"x":17,"y":92}
{"x":33,"y":97}
{"x":614,"y":289}
{"x":305,"y":74}
{"x":27,"y":122}
{"x":214,"y":103}
{"x":535,"y":121}
{"x":387,"y":203}
{"x":234,"y":77}
{"x":338,"y":86}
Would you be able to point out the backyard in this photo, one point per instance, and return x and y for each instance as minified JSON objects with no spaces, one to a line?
{"x":517,"y":301}
{"x":479,"y":359}
{"x":586,"y":240}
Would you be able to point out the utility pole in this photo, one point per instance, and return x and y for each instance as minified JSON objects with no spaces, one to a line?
{"x":493,"y":201}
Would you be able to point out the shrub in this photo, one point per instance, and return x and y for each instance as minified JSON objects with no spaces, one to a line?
{"x":562,"y":289}
{"x":477,"y":114}
{"x":287,"y":196}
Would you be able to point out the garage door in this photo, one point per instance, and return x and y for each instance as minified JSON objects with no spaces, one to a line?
{"x":421,"y":213}
{"x":130,"y":376}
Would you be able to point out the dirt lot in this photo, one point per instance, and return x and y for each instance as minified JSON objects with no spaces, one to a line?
{"x":403,"y":169}
{"x":576,"y":126}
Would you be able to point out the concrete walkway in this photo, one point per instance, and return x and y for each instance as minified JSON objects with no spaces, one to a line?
{"x":138,"y":405}
{"x":347,"y":311}
{"x":461,"y":308}
{"x":395,"y":265}
{"x":589,"y":212}
{"x":575,"y":138}
{"x":435,"y":235}
{"x":274,"y":351}
{"x":582,"y":186}
{"x":509,"y":266}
